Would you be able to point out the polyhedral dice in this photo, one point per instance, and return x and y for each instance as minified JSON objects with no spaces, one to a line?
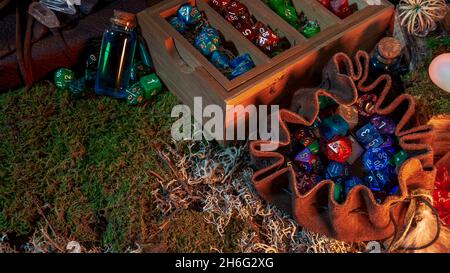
{"x":375,"y":159}
{"x":150,"y":85}
{"x":77,"y":88}
{"x":395,"y":190}
{"x":399,"y":158}
{"x":307,"y":182}
{"x":369,"y":137}
{"x":389,"y":145}
{"x":178,"y":24}
{"x":247,"y":28}
{"x":351,"y":183}
{"x":208,"y":41}
{"x":220,"y":60}
{"x":333,"y":126}
{"x":314,"y":147}
{"x":349,"y":114}
{"x":303,"y":160}
{"x":135,"y":94}
{"x":220,"y":5}
{"x":310,"y":29}
{"x":338,"y":192}
{"x":285,"y":10}
{"x":376,"y":181}
{"x":240,"y":65}
{"x":303,"y":136}
{"x":266,"y":39}
{"x":141,"y":69}
{"x":235,"y":12}
{"x":316,"y":164}
{"x":189,"y":14}
{"x":366,"y":105}
{"x":63,"y":77}
{"x":340,"y":8}
{"x":339,"y":149}
{"x":357,"y":150}
{"x":335,"y":169}
{"x":384,"y":125}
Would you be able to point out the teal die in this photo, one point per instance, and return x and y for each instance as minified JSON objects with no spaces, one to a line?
{"x":135,"y":94}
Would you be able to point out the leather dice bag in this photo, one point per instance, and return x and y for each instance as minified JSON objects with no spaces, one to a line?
{"x":360,"y":217}
{"x":29,"y":51}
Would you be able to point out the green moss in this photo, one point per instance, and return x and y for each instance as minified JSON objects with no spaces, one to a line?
{"x":83,"y":164}
{"x":430,"y":99}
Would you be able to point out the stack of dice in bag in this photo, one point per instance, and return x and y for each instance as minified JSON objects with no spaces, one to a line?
{"x":350,"y":145}
{"x":192,"y":24}
{"x":340,"y":8}
{"x":257,"y":32}
{"x":286,"y":10}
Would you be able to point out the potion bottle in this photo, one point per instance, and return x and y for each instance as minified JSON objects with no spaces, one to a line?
{"x":386,"y":58}
{"x":116,"y":56}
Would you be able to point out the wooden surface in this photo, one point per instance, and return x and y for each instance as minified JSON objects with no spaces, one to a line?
{"x":189,"y":74}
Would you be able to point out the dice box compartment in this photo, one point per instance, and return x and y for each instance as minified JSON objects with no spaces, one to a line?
{"x":188,"y":74}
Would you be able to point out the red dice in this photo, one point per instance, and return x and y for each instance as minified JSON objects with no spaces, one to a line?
{"x":220,"y":5}
{"x":247,"y":29}
{"x":236,"y":12}
{"x":266,"y":39}
{"x":339,"y":149}
{"x":340,"y":8}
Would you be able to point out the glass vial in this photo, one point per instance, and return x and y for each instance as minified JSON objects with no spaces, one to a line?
{"x":116,"y":56}
{"x":386,"y":58}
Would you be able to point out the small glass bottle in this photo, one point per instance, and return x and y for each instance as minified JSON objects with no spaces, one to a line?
{"x":386,"y":58}
{"x":116,"y":56}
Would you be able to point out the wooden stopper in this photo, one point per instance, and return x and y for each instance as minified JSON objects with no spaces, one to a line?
{"x":389,"y":48}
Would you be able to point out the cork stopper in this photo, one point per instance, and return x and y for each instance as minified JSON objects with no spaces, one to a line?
{"x":389,"y":48}
{"x":124,"y":19}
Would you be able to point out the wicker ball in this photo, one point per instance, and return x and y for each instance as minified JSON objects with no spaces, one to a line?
{"x":420,"y":16}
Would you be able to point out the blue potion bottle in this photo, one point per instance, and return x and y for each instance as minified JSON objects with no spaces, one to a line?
{"x":116,"y":56}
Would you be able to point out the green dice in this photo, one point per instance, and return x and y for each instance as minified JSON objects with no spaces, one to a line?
{"x":135,"y":94}
{"x":338,"y":190}
{"x":63,"y":77}
{"x":151,"y":85}
{"x":399,"y":158}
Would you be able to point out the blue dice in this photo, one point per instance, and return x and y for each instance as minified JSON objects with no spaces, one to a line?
{"x":369,"y":137}
{"x":220,"y":59}
{"x":376,"y":180}
{"x":351,"y":183}
{"x":375,"y":159}
{"x":333,"y":126}
{"x":178,"y":24}
{"x":335,"y":169}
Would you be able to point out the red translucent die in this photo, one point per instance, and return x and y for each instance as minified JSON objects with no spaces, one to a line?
{"x":220,"y":5}
{"x":236,"y":12}
{"x":247,"y":29}
{"x":340,"y":8}
{"x":266,"y":38}
{"x":339,"y":149}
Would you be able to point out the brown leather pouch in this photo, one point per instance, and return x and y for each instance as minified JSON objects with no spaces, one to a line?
{"x":360,"y":217}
